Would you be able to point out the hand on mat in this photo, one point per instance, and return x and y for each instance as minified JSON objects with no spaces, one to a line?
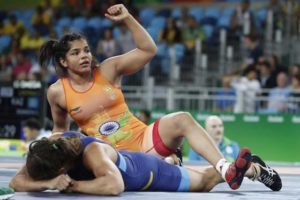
{"x":61,"y":182}
{"x":117,"y":13}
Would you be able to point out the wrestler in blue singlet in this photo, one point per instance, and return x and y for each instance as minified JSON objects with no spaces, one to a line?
{"x":139,"y":170}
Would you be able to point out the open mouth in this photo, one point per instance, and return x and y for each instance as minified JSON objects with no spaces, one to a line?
{"x":85,"y":63}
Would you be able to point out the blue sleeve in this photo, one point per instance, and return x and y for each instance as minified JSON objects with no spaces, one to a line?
{"x":194,"y":156}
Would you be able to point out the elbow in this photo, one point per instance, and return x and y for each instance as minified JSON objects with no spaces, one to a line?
{"x":13,"y":185}
{"x":117,"y":188}
{"x":153,"y":50}
{"x":116,"y":192}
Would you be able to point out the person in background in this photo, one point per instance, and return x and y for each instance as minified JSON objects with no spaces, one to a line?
{"x":107,"y":47}
{"x":247,"y":87}
{"x":294,"y":70}
{"x":294,"y":104}
{"x":225,"y":97}
{"x":267,"y":78}
{"x":125,"y":41}
{"x":214,"y":126}
{"x":239,"y":18}
{"x":253,"y":47}
{"x":33,"y":131}
{"x":22,"y":67}
{"x":192,"y":33}
{"x":278,"y":96}
{"x":267,"y":81}
{"x":12,"y":25}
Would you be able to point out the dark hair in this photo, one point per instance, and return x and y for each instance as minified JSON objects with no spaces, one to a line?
{"x":265,"y":64}
{"x":32,"y":123}
{"x":276,"y":60}
{"x":297,"y":76}
{"x":248,"y":69}
{"x":46,"y":158}
{"x":53,"y":50}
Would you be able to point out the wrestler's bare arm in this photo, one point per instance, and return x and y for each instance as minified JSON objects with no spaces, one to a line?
{"x":108,"y":179}
{"x":22,"y":182}
{"x":134,"y":60}
{"x":56,"y":99}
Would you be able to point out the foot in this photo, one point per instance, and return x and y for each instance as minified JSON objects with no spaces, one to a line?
{"x":268,"y":176}
{"x":6,"y":193}
{"x":235,"y":173}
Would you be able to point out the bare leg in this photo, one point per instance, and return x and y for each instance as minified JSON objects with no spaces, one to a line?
{"x":203,"y":179}
{"x":174,"y":126}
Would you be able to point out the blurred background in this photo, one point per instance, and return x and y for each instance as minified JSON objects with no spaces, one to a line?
{"x":239,"y":59}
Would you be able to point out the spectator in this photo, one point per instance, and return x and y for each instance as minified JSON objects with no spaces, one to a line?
{"x":276,"y":67}
{"x":31,"y":43}
{"x":267,"y":80}
{"x":225,"y":98}
{"x":291,"y":8}
{"x":125,"y":40}
{"x":247,"y":87}
{"x":278,"y":97}
{"x":294,"y":105}
{"x":192,"y":33}
{"x":168,"y":37}
{"x":16,"y":40}
{"x":41,"y":21}
{"x":184,"y":18}
{"x":239,"y":19}
{"x":33,"y":131}
{"x":12,"y":25}
{"x":5,"y":67}
{"x":254,"y":49}
{"x":145,"y":116}
{"x":2,"y":27}
{"x":278,"y":16}
{"x":21,"y":68}
{"x":266,"y":77}
{"x":107,"y":47}
{"x":294,"y":70}
{"x":171,"y":34}
{"x":215,"y":128}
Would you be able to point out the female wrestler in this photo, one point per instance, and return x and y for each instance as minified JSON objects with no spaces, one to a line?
{"x":77,"y":163}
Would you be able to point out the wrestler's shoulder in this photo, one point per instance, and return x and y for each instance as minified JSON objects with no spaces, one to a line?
{"x":56,"y":87}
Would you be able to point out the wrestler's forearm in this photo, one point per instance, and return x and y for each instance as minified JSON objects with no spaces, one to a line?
{"x":23,"y":183}
{"x":142,"y":39}
{"x":100,"y":186}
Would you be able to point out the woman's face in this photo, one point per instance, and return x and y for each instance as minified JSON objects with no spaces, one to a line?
{"x":79,"y":58}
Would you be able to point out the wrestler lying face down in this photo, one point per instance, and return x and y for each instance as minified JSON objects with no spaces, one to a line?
{"x":72,"y":162}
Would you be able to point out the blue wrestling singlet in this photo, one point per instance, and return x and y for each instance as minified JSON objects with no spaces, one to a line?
{"x":139,"y":171}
